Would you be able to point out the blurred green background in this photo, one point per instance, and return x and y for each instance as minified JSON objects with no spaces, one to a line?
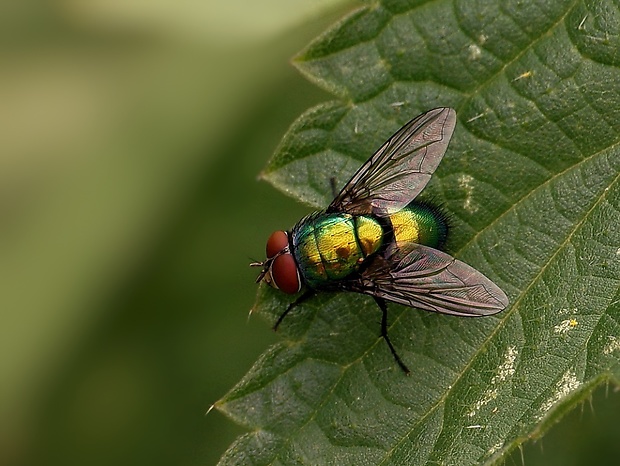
{"x":131,"y":136}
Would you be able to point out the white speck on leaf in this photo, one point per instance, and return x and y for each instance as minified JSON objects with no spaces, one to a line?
{"x":567,"y":384}
{"x":474,"y":118}
{"x":505,"y":370}
{"x":465,"y":183}
{"x":474,"y":52}
{"x":527,"y":74}
{"x":495,"y":448}
{"x":613,"y":344}
{"x":565,"y":326}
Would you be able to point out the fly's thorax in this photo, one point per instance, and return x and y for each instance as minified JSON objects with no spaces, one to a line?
{"x":420,"y":223}
{"x":330,"y":247}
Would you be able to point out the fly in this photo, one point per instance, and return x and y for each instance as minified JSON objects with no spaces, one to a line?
{"x":376,"y":239}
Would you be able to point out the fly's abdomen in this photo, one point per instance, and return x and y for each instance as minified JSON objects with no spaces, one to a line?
{"x":419,"y":223}
{"x":330,"y":247}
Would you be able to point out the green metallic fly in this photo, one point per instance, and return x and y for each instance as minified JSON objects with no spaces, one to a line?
{"x":375,"y":239}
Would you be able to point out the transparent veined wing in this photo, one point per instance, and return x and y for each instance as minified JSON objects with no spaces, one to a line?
{"x":428,"y":279}
{"x":401,"y":168}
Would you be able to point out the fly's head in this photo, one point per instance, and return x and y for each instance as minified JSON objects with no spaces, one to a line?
{"x":279,"y":270}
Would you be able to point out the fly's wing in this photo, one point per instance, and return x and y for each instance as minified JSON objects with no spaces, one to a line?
{"x":400,"y":169}
{"x":428,"y":279}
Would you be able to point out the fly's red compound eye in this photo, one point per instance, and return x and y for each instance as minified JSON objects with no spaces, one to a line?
{"x":276,"y":243}
{"x":285,"y":275}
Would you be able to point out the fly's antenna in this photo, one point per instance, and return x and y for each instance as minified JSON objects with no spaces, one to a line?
{"x":263,"y":272}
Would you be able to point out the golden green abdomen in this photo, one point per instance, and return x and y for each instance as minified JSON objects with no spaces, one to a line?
{"x":419,"y":223}
{"x":329,"y":247}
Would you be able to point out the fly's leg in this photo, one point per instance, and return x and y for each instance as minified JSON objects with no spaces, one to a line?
{"x":384,"y":333}
{"x":304,"y":297}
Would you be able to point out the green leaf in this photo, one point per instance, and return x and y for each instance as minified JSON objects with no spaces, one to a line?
{"x":531,"y":181}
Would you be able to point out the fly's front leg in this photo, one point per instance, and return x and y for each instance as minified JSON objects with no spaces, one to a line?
{"x":304,"y":297}
{"x":384,"y":333}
